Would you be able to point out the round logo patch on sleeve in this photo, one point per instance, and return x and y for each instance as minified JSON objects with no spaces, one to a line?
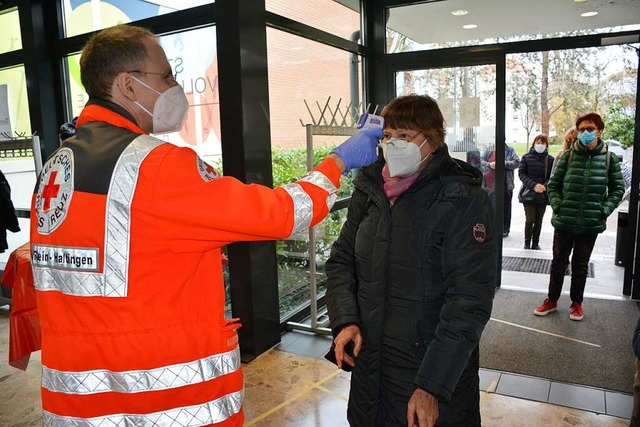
{"x":480,"y":232}
{"x":206,"y":171}
{"x":55,"y":189}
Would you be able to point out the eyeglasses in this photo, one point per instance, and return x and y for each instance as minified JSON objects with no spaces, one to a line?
{"x":169,"y":77}
{"x":587,"y":129}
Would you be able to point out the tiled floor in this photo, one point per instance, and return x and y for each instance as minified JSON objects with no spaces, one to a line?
{"x":313,"y":392}
{"x":541,"y":390}
{"x":292,"y":386}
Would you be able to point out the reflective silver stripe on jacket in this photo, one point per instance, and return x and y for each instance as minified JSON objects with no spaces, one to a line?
{"x":320,"y":180}
{"x":212,"y":412}
{"x":166,"y":377}
{"x":302,"y":203}
{"x":113,"y":282}
{"x":302,"y":207}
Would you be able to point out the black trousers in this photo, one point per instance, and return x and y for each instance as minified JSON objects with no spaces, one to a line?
{"x":533,"y":215}
{"x":508,"y":196}
{"x":582,"y":246}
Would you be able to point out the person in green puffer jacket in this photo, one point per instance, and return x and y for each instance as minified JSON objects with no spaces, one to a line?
{"x":585,"y":188}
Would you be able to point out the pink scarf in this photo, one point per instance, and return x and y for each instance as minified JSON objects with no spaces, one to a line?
{"x":394,"y":187}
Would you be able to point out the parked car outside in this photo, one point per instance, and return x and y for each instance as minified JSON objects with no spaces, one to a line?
{"x":616,"y":148}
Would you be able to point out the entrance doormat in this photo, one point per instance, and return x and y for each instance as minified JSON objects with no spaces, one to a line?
{"x":595,"y":352}
{"x":535,"y":265}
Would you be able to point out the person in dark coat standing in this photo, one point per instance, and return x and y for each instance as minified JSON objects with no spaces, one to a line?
{"x":488,"y":167}
{"x":411,"y":278}
{"x":534,"y":172}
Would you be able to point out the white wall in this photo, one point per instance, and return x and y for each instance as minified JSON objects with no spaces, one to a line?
{"x":21,"y":176}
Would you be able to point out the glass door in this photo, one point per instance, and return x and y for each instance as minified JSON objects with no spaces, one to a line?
{"x":469,"y":99}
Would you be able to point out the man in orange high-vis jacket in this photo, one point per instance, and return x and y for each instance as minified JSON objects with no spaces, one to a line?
{"x":126,"y":232}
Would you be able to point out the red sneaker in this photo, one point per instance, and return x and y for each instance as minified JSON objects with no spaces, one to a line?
{"x":547,"y":307}
{"x":576,"y":312}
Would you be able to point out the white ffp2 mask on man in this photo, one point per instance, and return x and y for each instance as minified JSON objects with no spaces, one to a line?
{"x":170,"y":109}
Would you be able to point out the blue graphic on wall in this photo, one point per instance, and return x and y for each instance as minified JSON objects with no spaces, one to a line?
{"x":135,"y":10}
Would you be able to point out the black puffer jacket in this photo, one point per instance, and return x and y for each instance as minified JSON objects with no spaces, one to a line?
{"x":418,"y":279}
{"x":535,"y":168}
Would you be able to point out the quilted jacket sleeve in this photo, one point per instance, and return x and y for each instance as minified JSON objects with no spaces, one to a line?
{"x":469,"y":260}
{"x":554,"y":188}
{"x":615,"y":187}
{"x":342,"y":283}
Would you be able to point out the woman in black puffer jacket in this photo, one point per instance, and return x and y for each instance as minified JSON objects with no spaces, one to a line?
{"x":534,"y":172}
{"x":410,"y":280}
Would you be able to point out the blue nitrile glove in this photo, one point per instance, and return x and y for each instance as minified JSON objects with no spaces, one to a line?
{"x":360,"y":149}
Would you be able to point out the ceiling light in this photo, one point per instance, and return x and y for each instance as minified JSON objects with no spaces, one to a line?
{"x":460,"y":12}
{"x":588,"y":14}
{"x":579,"y":1}
{"x":469,"y":26}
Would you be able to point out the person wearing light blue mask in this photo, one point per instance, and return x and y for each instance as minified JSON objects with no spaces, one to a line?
{"x":584,"y":189}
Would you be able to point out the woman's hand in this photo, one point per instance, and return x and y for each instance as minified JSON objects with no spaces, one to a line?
{"x":539,"y":188}
{"x":346,"y":335}
{"x":422,"y":410}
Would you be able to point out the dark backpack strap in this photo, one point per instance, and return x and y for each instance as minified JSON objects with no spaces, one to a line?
{"x":546,"y":168}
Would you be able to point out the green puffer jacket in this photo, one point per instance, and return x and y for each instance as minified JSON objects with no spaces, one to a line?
{"x":582,"y":192}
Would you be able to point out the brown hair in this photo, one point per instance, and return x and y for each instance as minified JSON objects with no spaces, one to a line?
{"x":592,"y":117}
{"x":541,"y":138}
{"x":569,"y":137}
{"x":416,"y":112}
{"x":109,"y":53}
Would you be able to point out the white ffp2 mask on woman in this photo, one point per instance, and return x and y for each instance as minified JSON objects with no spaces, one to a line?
{"x":403,"y":158}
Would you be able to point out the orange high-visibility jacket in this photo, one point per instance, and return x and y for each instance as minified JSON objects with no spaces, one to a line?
{"x":126,"y":232}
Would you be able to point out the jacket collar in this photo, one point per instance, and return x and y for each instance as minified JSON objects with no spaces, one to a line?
{"x":441,"y":166}
{"x":600,"y":148}
{"x":102,"y":110}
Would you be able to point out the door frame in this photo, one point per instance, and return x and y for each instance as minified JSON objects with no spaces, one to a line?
{"x":499,"y":61}
{"x":380,"y":78}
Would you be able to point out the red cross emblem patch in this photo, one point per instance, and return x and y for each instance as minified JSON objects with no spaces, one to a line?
{"x":55,"y":188}
{"x":206,"y":171}
{"x":480,"y":232}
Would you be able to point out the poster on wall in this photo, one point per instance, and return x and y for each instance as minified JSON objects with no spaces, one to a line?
{"x":469,"y":112}
{"x":192,"y":55}
{"x":196,"y":68}
{"x":5,"y":119}
{"x":446,"y":106}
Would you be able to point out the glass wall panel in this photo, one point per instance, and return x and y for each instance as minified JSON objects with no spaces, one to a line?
{"x":546,"y":93}
{"x":10,"y":37}
{"x":193,"y":57}
{"x":83,"y":16}
{"x":14,"y":104}
{"x":467,"y":98}
{"x":303,"y":70}
{"x":329,"y":81}
{"x":441,"y":24}
{"x":16,"y":153}
{"x":339,"y":17}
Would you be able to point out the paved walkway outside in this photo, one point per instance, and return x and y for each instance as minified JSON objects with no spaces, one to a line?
{"x":608,"y":279}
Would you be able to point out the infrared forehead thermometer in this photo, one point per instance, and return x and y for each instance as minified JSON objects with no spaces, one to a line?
{"x":370,"y":121}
